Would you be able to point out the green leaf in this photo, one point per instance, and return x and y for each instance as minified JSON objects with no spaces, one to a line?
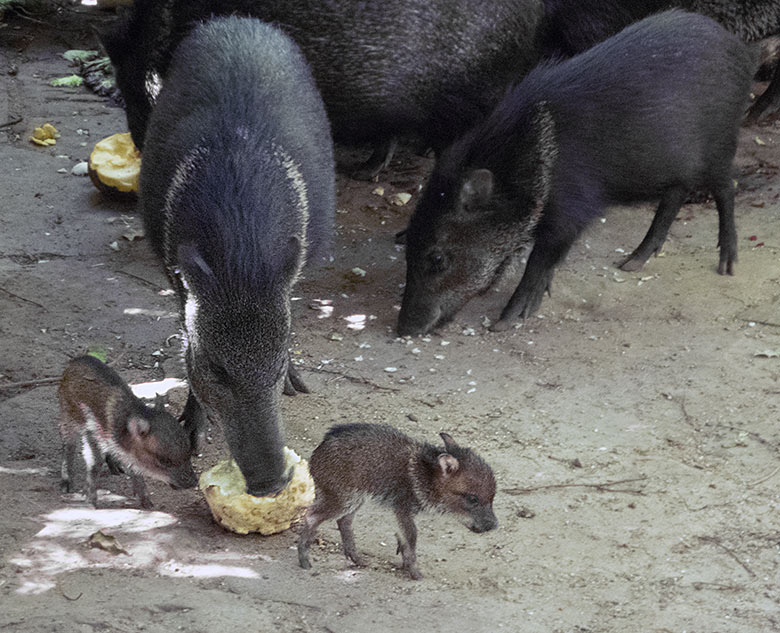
{"x":98,"y":352}
{"x":80,"y":55}
{"x":70,"y":81}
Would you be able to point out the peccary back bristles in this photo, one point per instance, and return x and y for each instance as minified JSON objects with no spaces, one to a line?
{"x":420,"y":67}
{"x":247,"y":131}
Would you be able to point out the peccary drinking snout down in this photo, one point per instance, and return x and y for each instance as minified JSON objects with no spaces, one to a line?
{"x":424,"y":68}
{"x":100,"y":415}
{"x":237,"y":191}
{"x":356,"y":462}
{"x":650,"y":113}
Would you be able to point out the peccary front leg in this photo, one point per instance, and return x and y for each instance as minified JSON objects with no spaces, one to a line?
{"x":407,"y":544}
{"x":193,"y":420}
{"x":93,"y":461}
{"x":68,"y":459}
{"x":548,"y":251}
{"x":667,"y":211}
{"x":348,"y":539}
{"x":768,"y":102}
{"x":379,"y":160}
{"x":293,"y":383}
{"x":727,"y":230}
{"x":139,"y":489}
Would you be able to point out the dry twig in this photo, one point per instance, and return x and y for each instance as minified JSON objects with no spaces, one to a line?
{"x":606,"y":486}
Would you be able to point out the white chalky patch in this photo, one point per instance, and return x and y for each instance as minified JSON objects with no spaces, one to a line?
{"x":180,"y":177}
{"x":152,"y":85}
{"x":191,"y":307}
{"x":294,"y":175}
{"x":86,"y":452}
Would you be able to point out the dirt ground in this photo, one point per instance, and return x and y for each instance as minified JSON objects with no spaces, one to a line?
{"x":632,"y":425}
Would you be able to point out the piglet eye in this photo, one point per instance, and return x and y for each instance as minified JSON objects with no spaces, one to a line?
{"x":471,"y":500}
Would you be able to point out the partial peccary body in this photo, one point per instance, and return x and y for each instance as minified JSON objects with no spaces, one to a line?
{"x":355,"y":462}
{"x":99,"y":411}
{"x":424,"y":68}
{"x":572,"y":26}
{"x":650,"y":113}
{"x":237,"y":191}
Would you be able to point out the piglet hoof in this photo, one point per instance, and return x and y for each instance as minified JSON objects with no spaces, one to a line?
{"x":357,"y":560}
{"x":303,"y":559}
{"x":414,"y":573}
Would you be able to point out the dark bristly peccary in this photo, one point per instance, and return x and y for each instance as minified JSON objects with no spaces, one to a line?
{"x":424,"y":68}
{"x":100,"y":415}
{"x":237,"y":191}
{"x":650,"y":113}
{"x":355,"y":462}
{"x":572,"y":26}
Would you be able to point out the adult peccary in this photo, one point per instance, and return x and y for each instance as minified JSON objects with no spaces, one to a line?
{"x":572,"y":26}
{"x":100,"y":416}
{"x":650,"y":113}
{"x":237,"y":190}
{"x":355,"y":462}
{"x":422,"y":68}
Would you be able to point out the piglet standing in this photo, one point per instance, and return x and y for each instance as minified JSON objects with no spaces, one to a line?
{"x":355,"y":462}
{"x":98,"y":407}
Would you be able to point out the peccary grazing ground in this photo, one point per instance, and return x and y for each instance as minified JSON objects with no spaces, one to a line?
{"x":98,"y":410}
{"x":355,"y":462}
{"x":237,"y":191}
{"x":425,"y":68}
{"x":572,"y":26}
{"x":650,"y":113}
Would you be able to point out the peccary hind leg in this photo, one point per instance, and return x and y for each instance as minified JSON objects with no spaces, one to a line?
{"x":667,"y":211}
{"x":318,"y":512}
{"x":380,"y":158}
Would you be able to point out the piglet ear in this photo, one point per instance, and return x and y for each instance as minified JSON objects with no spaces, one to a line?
{"x":449,"y":443}
{"x":138,"y":426}
{"x":448,"y":464}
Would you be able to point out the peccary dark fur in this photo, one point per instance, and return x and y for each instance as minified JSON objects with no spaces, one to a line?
{"x":355,"y":462}
{"x":237,"y":191}
{"x":650,"y":113}
{"x":425,"y":68}
{"x":572,"y":26}
{"x":99,"y":413}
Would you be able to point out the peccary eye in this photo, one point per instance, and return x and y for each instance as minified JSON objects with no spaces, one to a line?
{"x":437,"y":262}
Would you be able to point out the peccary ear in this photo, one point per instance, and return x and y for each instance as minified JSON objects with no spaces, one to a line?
{"x":449,"y":443}
{"x":476,"y":189}
{"x":138,"y":426}
{"x":448,"y":464}
{"x":545,"y":153}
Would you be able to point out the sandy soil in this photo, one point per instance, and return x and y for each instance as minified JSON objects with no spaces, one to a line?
{"x":632,"y":425}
